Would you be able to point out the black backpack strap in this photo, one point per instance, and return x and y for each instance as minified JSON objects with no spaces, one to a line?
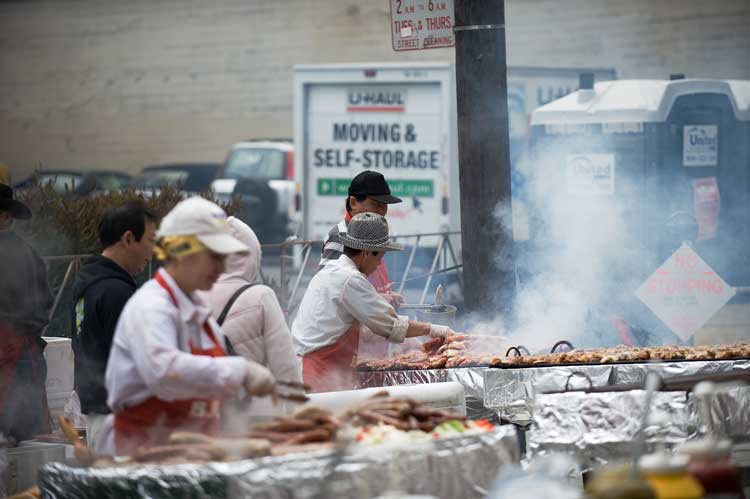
{"x":231,"y":301}
{"x":225,"y":312}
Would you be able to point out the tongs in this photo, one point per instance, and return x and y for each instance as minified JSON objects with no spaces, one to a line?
{"x":291,"y":390}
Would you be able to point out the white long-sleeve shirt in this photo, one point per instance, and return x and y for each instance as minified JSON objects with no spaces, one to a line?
{"x":337,"y":296}
{"x":150,"y":354}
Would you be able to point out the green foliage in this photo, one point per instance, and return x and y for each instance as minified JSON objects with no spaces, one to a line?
{"x":65,"y":224}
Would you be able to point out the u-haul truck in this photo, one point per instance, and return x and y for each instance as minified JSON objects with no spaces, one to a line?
{"x":394,"y":119}
{"x":398,"y":119}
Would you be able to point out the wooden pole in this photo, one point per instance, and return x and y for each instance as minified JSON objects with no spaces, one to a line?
{"x":483,"y":151}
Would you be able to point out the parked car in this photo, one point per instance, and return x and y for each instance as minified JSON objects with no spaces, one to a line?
{"x":190,"y":177}
{"x":261,"y":174}
{"x":102,"y":181}
{"x":76,"y":182}
{"x":61,"y":181}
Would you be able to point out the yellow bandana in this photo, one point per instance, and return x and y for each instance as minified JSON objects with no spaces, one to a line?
{"x":175,"y":246}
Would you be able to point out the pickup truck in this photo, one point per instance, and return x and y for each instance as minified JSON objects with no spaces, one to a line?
{"x":261,"y":174}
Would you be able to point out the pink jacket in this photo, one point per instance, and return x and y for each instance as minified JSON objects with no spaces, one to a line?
{"x":255,"y":325}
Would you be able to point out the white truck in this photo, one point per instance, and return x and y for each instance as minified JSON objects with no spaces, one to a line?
{"x":399,"y":119}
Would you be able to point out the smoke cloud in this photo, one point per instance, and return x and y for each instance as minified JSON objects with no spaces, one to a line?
{"x":582,"y":260}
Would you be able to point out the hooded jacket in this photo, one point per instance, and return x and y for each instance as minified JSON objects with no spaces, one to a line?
{"x":100,"y":292}
{"x":255,"y":325}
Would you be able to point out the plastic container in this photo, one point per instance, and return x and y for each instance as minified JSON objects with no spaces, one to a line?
{"x":668,"y":476}
{"x":619,"y":482}
{"x":56,"y":403}
{"x":60,"y":365}
{"x":444,"y":317}
{"x":711,"y":463}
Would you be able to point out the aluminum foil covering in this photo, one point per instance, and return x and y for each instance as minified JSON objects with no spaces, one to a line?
{"x":472,"y":379}
{"x":458,"y":467}
{"x":625,"y":374}
{"x":726,"y":412}
{"x":601,"y":427}
{"x":511,"y":391}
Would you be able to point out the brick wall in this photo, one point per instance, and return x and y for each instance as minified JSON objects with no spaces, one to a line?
{"x":118,"y":85}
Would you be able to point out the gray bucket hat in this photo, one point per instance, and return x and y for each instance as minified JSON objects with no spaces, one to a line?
{"x":368,"y":232}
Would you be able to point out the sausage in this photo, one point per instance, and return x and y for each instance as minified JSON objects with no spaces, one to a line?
{"x":271,"y":436}
{"x":381,"y":418}
{"x":317,"y":435}
{"x":286,"y":425}
{"x":164,"y":452}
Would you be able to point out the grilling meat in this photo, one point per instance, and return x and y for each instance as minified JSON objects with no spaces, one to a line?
{"x":308,"y":424}
{"x":461,"y":350}
{"x":404,"y":414}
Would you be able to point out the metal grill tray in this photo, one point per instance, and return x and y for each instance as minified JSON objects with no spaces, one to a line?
{"x":511,"y":391}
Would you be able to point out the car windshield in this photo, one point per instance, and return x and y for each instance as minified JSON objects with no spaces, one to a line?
{"x":158,"y":178}
{"x":61,"y":182}
{"x":112,"y":181}
{"x":256,"y":163}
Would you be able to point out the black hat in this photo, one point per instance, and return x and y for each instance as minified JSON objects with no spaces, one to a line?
{"x":16,"y":208}
{"x":373,"y":185}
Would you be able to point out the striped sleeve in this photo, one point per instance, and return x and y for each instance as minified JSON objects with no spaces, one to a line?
{"x":332,"y":247}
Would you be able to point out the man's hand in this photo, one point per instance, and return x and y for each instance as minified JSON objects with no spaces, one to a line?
{"x":258,"y":379}
{"x":396,"y":300}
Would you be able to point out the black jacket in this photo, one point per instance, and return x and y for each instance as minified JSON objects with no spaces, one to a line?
{"x":25,"y":297}
{"x":100,"y":292}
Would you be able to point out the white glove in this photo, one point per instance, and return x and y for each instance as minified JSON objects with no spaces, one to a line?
{"x":258,"y":380}
{"x":438,"y":331}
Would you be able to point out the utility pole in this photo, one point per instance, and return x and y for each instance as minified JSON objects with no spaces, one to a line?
{"x":483,"y":151}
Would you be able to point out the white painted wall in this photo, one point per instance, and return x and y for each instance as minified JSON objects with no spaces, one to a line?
{"x":117,"y":85}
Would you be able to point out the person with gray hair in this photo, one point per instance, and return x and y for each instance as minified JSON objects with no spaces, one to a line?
{"x":340,"y":296}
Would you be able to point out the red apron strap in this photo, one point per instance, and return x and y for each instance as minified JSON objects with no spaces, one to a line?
{"x":163,"y":283}
{"x":206,"y":326}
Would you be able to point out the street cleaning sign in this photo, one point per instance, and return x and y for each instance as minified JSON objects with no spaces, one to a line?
{"x":421,"y":24}
{"x":685,"y":292}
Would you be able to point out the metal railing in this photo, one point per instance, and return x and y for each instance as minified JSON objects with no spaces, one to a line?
{"x":298,"y":262}
{"x":443,"y":250}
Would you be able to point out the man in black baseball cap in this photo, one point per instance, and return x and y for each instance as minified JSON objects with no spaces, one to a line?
{"x":368,"y":193}
{"x":370,"y":184}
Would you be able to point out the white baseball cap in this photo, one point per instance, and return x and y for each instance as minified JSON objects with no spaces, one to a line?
{"x":206,"y":221}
